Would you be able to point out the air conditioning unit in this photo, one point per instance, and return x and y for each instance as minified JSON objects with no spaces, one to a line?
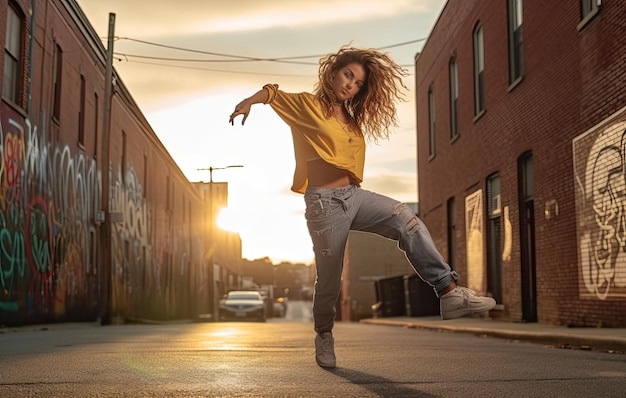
{"x":496,"y":204}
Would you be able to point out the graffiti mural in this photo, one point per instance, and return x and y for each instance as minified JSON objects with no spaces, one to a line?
{"x":47,"y":199}
{"x":49,"y":239}
{"x":474,"y":236}
{"x":600,"y":173}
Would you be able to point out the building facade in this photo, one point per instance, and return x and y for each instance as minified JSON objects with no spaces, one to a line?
{"x":521,"y":110}
{"x":68,"y":251}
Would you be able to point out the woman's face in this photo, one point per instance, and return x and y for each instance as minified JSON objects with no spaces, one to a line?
{"x":348,"y":81}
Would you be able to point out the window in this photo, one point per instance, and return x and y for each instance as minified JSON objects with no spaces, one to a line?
{"x":81,"y":113}
{"x":145,"y":175}
{"x":11,"y":83}
{"x":494,"y":206}
{"x":516,"y":54}
{"x":96,"y":120}
{"x":454,"y":100}
{"x":527,"y":177}
{"x":479,"y":67}
{"x":168,"y":204}
{"x":58,"y":72}
{"x":431,"y":123}
{"x":124,"y":155}
{"x":588,"y":10}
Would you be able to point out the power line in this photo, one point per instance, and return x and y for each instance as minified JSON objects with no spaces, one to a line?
{"x":234,"y":58}
{"x":240,"y":72}
{"x":224,"y":70}
{"x":248,"y":58}
{"x":213,"y":60}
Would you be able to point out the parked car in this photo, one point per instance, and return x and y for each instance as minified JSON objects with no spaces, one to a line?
{"x":243,"y":305}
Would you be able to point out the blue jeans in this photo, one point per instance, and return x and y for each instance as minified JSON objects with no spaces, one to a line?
{"x":332,"y":212}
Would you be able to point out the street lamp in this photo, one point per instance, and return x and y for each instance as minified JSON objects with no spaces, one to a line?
{"x":218,"y":168}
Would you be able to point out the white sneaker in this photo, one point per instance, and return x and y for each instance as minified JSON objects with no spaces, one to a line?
{"x":325,"y":350}
{"x":462,"y":301}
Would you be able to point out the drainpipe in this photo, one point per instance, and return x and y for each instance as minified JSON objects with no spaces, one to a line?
{"x":31,"y":51}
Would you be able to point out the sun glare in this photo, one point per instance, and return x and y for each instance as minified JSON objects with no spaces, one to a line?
{"x":227,"y":220}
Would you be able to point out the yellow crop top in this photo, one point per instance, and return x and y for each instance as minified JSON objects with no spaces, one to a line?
{"x":315,"y":135}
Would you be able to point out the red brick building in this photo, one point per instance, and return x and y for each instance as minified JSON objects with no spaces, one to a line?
{"x":521,"y":120}
{"x":55,"y":252}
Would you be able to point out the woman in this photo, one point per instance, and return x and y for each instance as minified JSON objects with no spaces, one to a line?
{"x":354,"y":99}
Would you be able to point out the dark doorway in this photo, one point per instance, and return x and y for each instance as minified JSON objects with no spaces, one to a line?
{"x":496,"y":234}
{"x":527,"y":238}
{"x":451,"y":233}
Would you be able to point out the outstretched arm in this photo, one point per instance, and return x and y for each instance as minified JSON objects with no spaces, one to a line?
{"x":243,"y":108}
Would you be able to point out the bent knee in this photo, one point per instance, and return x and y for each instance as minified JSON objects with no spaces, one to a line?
{"x":409,"y":220}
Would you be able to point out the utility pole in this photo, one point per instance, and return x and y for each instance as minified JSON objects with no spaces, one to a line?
{"x":213,"y":291}
{"x":105,"y":234}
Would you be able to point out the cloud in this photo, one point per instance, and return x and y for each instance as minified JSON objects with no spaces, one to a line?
{"x":150,"y":18}
{"x":188,"y":103}
{"x":400,"y":186}
{"x":310,"y":12}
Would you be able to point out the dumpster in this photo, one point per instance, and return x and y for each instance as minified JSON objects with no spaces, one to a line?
{"x":390,"y":297}
{"x":419,"y":297}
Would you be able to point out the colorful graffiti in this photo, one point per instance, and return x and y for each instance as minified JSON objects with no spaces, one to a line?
{"x":600,"y":172}
{"x":49,"y":262}
{"x":47,"y":198}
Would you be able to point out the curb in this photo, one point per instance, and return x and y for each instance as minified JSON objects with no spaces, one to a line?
{"x":609,"y":344}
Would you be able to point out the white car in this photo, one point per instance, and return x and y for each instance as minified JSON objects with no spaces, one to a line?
{"x":243,"y":305}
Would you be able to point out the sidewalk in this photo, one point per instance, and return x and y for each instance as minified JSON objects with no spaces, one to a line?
{"x":602,"y":339}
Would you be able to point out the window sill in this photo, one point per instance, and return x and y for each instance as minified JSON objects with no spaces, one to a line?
{"x":587,"y":19}
{"x":15,"y":107}
{"x":479,"y":115}
{"x":515,"y":83}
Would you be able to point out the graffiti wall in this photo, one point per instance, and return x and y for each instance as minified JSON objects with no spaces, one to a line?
{"x":49,"y":262}
{"x":474,"y":233}
{"x":600,"y":173}
{"x":47,"y":199}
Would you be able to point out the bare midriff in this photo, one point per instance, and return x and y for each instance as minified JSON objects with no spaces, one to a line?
{"x":325,"y":175}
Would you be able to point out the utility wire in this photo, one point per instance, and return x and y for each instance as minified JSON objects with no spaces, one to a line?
{"x":224,"y":70}
{"x":281,"y":60}
{"x":243,"y":57}
{"x":239,"y":72}
{"x":234,"y":58}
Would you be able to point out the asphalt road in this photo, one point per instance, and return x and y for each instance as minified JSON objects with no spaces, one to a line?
{"x":276,"y":359}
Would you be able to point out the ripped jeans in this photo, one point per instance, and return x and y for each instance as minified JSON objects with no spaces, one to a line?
{"x":332,"y":212}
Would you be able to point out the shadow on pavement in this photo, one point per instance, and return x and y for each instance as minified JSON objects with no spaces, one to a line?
{"x":378,"y":385}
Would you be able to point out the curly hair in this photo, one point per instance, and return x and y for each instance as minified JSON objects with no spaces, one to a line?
{"x":373,"y":108}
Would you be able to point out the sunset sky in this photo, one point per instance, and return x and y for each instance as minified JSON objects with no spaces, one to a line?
{"x":188,"y":102}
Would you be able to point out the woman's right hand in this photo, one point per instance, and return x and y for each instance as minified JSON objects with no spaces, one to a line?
{"x":242,"y":108}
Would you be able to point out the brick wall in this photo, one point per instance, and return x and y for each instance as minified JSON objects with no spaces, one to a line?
{"x":51,"y":259}
{"x":572,"y":80}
